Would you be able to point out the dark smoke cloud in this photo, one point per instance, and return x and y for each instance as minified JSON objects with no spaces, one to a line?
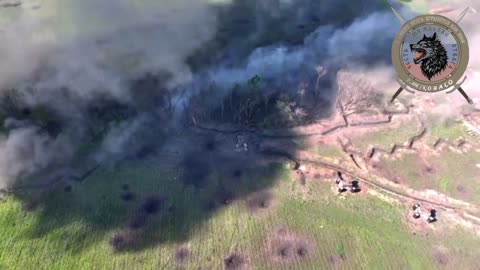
{"x":72,"y":55}
{"x":366,"y":41}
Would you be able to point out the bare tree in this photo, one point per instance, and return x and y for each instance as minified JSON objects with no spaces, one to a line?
{"x":321,"y":71}
{"x":355,"y":94}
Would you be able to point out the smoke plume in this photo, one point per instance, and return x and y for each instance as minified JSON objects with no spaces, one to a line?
{"x":103,"y":74}
{"x":69,"y":58}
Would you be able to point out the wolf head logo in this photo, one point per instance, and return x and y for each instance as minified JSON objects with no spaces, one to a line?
{"x":431,"y":53}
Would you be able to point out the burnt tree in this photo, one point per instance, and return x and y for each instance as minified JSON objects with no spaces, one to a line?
{"x":355,"y":94}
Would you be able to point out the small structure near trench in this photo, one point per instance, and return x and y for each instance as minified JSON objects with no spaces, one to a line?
{"x":433,"y":216}
{"x":416,"y":209}
{"x":343,"y":186}
{"x":241,"y":144}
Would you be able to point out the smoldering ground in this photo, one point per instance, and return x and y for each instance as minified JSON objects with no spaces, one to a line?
{"x":109,"y":83}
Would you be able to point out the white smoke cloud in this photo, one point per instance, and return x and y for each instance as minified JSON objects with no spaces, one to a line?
{"x":118,"y":139}
{"x":94,"y":48}
{"x":25,"y":151}
{"x":367,"y":40}
{"x":88,"y":48}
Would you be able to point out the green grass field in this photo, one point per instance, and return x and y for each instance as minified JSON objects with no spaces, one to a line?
{"x":446,"y":129}
{"x":454,"y":174}
{"x":73,"y":230}
{"x":328,"y":152}
{"x":143,"y":216}
{"x":385,"y":139}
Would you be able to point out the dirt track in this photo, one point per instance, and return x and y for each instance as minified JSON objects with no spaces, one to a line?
{"x":459,"y":209}
{"x":463,"y":210}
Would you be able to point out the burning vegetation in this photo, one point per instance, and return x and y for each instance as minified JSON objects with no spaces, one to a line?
{"x":259,"y":106}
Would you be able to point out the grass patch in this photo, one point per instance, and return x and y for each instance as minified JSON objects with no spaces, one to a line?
{"x":458,"y":176}
{"x":341,"y":250}
{"x":358,"y":232}
{"x":328,"y":151}
{"x":446,"y":129}
{"x":454,"y":174}
{"x":386,"y":138}
{"x":444,"y":184}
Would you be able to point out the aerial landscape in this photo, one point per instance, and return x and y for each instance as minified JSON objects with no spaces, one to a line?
{"x":230,"y":135}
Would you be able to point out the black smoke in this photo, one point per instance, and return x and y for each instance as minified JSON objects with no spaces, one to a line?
{"x":97,"y":81}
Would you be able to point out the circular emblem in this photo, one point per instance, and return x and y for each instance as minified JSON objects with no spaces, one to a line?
{"x":430,"y":53}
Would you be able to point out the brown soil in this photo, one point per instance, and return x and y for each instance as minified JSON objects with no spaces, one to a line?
{"x":302,"y":179}
{"x":284,"y":250}
{"x":332,"y":259}
{"x":302,"y":252}
{"x":462,"y":190}
{"x":182,"y":255}
{"x":440,"y":255}
{"x":118,"y":242}
{"x":31,"y":206}
{"x":221,"y":198}
{"x":322,"y":174}
{"x":121,"y":240}
{"x":430,"y":170}
{"x":152,"y":204}
{"x":286,"y":246}
{"x":226,"y":198}
{"x":419,"y":225}
{"x":137,"y":222}
{"x":384,"y":169}
{"x":260,"y":201}
{"x":235,"y":261}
